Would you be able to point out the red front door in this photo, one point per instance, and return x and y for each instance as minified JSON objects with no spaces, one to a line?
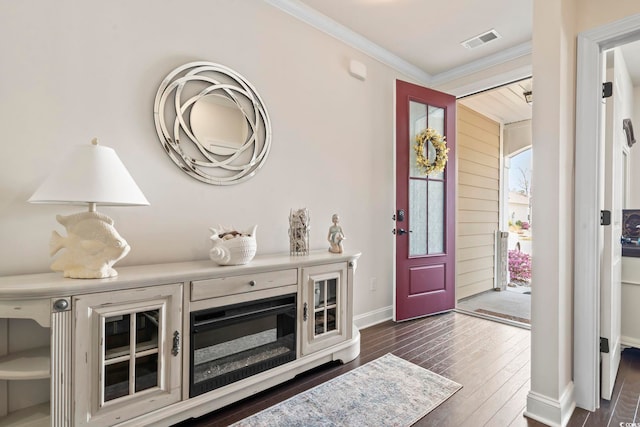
{"x":425,"y":206}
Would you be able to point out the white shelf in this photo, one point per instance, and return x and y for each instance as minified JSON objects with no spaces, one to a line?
{"x":34,"y":416}
{"x":38,"y":310}
{"x":26,"y":365}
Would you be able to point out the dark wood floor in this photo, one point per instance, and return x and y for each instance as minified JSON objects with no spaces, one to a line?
{"x":491,"y":361}
{"x":623,"y":407}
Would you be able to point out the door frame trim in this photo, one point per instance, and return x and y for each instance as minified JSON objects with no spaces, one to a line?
{"x":394,"y":195}
{"x":587,"y":240}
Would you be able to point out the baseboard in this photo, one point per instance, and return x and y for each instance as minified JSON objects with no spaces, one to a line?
{"x":374,"y":317}
{"x":630,"y":342}
{"x":552,"y":412}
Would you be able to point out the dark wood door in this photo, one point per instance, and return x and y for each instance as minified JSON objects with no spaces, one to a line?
{"x":425,"y":206}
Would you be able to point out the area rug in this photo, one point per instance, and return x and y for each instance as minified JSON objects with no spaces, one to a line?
{"x":388,"y":391}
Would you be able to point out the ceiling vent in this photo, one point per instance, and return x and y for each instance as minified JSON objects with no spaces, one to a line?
{"x":481,"y":39}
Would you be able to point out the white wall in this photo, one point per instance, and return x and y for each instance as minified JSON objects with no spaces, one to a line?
{"x":75,"y":69}
{"x":589,"y":14}
{"x":556,"y":25}
{"x":550,"y":399}
{"x":634,"y":155}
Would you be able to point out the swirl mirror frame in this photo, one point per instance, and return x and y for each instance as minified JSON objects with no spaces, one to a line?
{"x":212,"y":123}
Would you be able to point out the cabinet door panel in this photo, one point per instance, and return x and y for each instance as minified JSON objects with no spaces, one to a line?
{"x":124,"y":366}
{"x":324,"y":304}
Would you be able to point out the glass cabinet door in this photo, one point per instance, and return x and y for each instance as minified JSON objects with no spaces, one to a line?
{"x":323,"y":306}
{"x":128,"y":354}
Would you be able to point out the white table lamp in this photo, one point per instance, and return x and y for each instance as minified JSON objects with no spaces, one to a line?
{"x":92,"y":175}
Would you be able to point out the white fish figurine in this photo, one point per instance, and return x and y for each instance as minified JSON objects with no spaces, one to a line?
{"x":92,"y":246}
{"x":232,"y":247}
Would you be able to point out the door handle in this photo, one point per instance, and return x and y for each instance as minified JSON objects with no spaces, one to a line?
{"x":400,"y":231}
{"x":176,"y":343}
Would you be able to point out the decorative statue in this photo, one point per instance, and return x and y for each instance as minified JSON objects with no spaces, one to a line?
{"x":335,"y":236}
{"x":299,"y":226}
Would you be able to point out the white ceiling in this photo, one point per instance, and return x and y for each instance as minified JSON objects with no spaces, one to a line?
{"x":422,"y":38}
{"x":505,"y":104}
{"x":428,"y":33}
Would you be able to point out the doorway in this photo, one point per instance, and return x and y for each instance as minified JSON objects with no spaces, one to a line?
{"x":589,"y":244}
{"x":494,"y":202}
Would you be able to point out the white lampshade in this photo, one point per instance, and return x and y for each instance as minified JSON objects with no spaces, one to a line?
{"x":92,"y":174}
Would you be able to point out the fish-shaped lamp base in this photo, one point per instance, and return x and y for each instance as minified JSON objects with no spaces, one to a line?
{"x":91,"y":247}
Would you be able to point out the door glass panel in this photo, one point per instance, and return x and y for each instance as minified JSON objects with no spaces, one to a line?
{"x":436,"y":119}
{"x":146,"y":372}
{"x":319,"y":293}
{"x":436,"y":122}
{"x":116,"y":331}
{"x":319,"y":325}
{"x":435,"y":221}
{"x":332,"y":286}
{"x":116,"y":380}
{"x":331,"y":319}
{"x":426,"y":193}
{"x":417,"y":123}
{"x":147,"y":330}
{"x":417,"y":217}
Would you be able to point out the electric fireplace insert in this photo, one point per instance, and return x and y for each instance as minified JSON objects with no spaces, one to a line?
{"x":234,"y":342}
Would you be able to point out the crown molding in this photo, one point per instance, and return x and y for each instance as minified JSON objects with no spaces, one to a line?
{"x":323,"y":23}
{"x":481,"y":64}
{"x":303,"y":12}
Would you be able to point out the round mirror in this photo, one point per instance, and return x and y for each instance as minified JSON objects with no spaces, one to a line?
{"x":212,"y":123}
{"x":218,"y":124}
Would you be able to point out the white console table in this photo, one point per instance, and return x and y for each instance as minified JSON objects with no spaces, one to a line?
{"x":70,"y":353}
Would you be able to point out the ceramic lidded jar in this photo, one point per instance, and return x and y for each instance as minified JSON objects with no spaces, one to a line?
{"x":233,"y":247}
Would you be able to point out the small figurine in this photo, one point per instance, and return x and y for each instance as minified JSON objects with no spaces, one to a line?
{"x":335,"y":236}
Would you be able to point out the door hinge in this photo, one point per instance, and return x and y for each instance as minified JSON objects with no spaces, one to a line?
{"x":607,"y":89}
{"x":605,"y":217}
{"x":604,"y":345}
